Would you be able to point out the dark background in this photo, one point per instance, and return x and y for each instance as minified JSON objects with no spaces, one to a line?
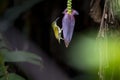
{"x":35,"y":25}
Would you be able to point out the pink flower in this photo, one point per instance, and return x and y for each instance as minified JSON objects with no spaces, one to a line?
{"x":68,"y":23}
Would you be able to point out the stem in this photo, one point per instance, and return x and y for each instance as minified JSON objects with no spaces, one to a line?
{"x":69,"y":6}
{"x":103,"y":46}
{"x":102,"y":29}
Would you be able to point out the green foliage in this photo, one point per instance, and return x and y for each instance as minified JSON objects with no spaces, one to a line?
{"x":2,"y":67}
{"x":7,"y":55}
{"x":12,"y":76}
{"x":115,"y":6}
{"x":93,"y":56}
{"x":20,"y":56}
{"x":15,"y":56}
{"x":84,"y":54}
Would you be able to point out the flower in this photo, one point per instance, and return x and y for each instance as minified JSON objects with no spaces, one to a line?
{"x":68,"y":23}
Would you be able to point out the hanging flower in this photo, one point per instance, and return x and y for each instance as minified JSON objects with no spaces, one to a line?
{"x":68,"y":23}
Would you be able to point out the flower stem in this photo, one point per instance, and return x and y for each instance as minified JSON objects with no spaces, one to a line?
{"x":69,"y":6}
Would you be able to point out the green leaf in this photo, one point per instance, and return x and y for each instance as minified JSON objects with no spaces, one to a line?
{"x":12,"y":76}
{"x":2,"y":66}
{"x":21,"y":56}
{"x":1,"y":71}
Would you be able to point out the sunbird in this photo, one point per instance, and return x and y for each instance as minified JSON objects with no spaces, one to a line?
{"x":57,"y":30}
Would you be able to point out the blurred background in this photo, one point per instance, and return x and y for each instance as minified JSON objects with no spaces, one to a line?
{"x":33,"y":18}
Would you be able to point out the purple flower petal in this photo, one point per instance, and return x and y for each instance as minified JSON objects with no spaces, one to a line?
{"x":68,"y":23}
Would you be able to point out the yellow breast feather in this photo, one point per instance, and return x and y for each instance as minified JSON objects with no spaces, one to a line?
{"x":57,"y":30}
